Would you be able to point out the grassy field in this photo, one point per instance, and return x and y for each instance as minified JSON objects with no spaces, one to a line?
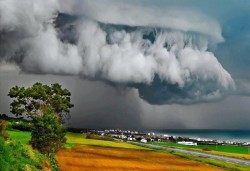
{"x":124,"y":156}
{"x":219,"y":148}
{"x":240,"y":156}
{"x":221,"y":164}
{"x":119,"y":159}
{"x":236,"y":152}
{"x":23,"y":137}
{"x":17,"y":155}
{"x":73,"y":138}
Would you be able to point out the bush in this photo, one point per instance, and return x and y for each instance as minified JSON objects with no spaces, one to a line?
{"x":206,"y":149}
{"x":98,"y":137}
{"x":47,"y":135}
{"x":21,"y":125}
{"x":3,"y":126}
{"x":53,"y":163}
{"x":4,"y":116}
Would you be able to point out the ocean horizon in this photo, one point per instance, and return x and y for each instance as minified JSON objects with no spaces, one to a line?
{"x":218,"y":134}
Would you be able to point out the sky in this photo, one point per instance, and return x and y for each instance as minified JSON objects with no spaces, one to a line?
{"x":137,"y":64}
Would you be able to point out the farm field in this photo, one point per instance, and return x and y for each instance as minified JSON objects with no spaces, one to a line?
{"x":225,"y":150}
{"x":123,"y":156}
{"x":89,"y":158}
{"x":74,"y":138}
{"x":220,"y":148}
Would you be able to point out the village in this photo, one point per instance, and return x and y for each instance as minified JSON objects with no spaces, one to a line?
{"x":146,"y":137}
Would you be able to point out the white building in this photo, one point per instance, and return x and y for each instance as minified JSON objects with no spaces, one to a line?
{"x":187,"y":143}
{"x":144,"y":141}
{"x":130,"y":139}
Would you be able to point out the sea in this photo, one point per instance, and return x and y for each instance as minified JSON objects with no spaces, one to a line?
{"x":231,"y":135}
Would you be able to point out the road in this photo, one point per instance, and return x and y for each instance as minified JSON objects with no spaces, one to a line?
{"x":195,"y":153}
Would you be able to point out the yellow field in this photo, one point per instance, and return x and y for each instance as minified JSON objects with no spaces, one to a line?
{"x":79,"y":139}
{"x":240,"y":156}
{"x":227,"y":154}
{"x":90,"y":158}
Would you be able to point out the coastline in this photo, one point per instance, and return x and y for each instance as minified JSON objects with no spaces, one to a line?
{"x":209,"y":134}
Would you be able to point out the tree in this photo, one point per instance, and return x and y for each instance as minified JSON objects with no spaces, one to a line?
{"x":47,"y":106}
{"x":37,"y":99}
{"x":47,"y":135}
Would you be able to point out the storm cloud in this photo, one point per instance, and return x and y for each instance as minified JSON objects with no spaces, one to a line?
{"x":166,"y":52}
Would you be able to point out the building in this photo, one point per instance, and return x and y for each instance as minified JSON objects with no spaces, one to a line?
{"x":187,"y":143}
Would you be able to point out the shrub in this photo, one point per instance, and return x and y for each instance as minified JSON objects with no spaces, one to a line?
{"x":21,"y":125}
{"x":98,"y":137}
{"x":3,"y":126}
{"x":206,"y":149}
{"x":53,"y":163}
{"x":47,"y":135}
{"x":4,"y":116}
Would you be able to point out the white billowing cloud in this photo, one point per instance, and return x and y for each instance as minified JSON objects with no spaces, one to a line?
{"x":134,"y":14}
{"x":117,"y":55}
{"x":204,"y":65}
{"x":121,"y":61}
{"x":21,"y":20}
{"x":130,"y":58}
{"x":48,"y":54}
{"x":26,"y":16}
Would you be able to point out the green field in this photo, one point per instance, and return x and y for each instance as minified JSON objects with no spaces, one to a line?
{"x":17,"y":155}
{"x":21,"y":136}
{"x":74,"y":139}
{"x":220,"y":148}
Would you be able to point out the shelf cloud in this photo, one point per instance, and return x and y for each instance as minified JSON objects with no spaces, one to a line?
{"x":134,"y":14}
{"x":165,"y":53}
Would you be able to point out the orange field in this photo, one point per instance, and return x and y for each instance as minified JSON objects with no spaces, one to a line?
{"x":90,"y":158}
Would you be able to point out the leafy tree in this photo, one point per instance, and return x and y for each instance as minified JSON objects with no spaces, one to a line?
{"x":48,"y":106}
{"x":47,"y":135}
{"x":37,"y":99}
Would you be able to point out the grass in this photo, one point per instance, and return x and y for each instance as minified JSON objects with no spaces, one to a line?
{"x":120,"y":159}
{"x":17,"y":156}
{"x":69,"y":145}
{"x":219,"y":148}
{"x":240,"y":156}
{"x":126,"y":149}
{"x":221,"y":164}
{"x":75,"y":138}
{"x":23,"y":137}
{"x":223,"y":151}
